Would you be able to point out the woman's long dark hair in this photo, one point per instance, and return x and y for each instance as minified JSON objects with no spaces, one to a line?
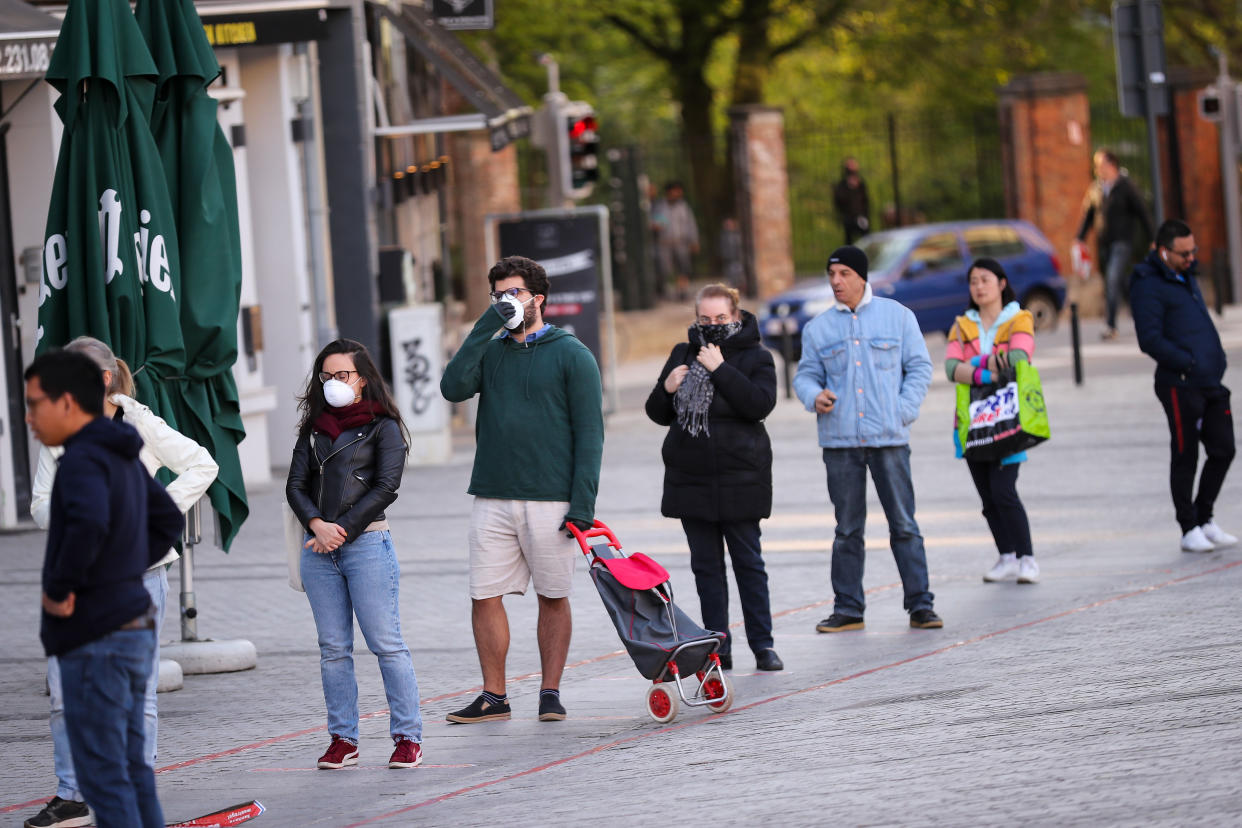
{"x":312,"y":402}
{"x":1007,"y":294}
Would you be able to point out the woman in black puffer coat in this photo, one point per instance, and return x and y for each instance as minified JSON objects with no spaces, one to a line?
{"x":713,"y":394}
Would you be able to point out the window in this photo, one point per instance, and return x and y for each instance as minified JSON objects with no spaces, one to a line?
{"x":994,"y":240}
{"x":937,"y":252}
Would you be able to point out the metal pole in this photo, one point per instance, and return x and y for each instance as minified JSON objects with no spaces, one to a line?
{"x":1229,"y":173}
{"x":892,"y":161}
{"x":1153,"y":88}
{"x":1076,"y":341}
{"x":192,"y":534}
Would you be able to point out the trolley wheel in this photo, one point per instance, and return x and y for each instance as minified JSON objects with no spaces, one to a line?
{"x":718,"y":687}
{"x":662,"y":704}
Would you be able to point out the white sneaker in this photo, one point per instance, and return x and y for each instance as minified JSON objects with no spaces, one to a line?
{"x":1006,"y":567}
{"x":1028,"y":570}
{"x":1196,"y":541}
{"x":1217,"y":536}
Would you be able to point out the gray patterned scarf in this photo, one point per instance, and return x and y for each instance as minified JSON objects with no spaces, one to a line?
{"x":694,"y":395}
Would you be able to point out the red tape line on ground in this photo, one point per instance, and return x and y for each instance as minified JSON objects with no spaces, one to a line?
{"x":791,"y":693}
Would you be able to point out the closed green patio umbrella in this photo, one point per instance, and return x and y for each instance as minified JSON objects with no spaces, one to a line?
{"x":198,"y":166}
{"x":111,"y":267}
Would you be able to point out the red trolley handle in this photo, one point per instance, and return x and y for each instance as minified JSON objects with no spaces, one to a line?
{"x":597,"y":530}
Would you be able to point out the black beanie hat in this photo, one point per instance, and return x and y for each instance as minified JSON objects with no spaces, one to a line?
{"x":851,"y":257}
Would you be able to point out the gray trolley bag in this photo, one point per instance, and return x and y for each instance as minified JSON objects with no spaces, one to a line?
{"x":665,"y":645}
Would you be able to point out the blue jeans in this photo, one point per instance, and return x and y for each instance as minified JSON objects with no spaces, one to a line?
{"x":847,"y":488}
{"x":1115,"y":267}
{"x":361,"y":578}
{"x":156,"y":582}
{"x":104,"y":683}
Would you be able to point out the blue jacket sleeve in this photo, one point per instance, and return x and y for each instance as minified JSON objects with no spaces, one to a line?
{"x":81,"y":486}
{"x":811,"y":377}
{"x":916,"y":370}
{"x":1148,"y":313}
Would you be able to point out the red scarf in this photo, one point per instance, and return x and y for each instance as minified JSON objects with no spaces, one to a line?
{"x":335,"y":421}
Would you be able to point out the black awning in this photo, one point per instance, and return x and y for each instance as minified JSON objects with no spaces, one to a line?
{"x":508,"y":116}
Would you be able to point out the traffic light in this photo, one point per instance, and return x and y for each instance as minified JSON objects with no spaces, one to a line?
{"x":582,"y":145}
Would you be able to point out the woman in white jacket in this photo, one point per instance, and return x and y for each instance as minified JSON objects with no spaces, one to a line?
{"x":162,"y":447}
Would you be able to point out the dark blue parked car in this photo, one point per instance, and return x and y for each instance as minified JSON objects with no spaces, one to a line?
{"x":924,"y":268}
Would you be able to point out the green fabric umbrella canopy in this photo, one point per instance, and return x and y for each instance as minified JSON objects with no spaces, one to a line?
{"x":111,"y":266}
{"x":198,"y":165}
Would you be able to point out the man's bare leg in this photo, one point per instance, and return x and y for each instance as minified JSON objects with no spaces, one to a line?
{"x":491,"y":640}
{"x":555,"y":627}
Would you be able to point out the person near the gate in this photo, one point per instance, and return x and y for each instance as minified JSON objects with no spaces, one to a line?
{"x":995,"y":332}
{"x":162,"y":447}
{"x":851,"y":200}
{"x":864,"y":372}
{"x":539,"y":436}
{"x":108,"y":522}
{"x":713,"y":393}
{"x":346,"y":468}
{"x":676,"y":237}
{"x":1112,"y":207}
{"x":1175,"y":329}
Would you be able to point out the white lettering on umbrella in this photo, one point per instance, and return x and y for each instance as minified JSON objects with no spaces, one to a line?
{"x":153,"y":256}
{"x":110,"y":233}
{"x":55,"y":273}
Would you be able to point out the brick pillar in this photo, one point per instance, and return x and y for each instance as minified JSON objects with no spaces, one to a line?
{"x":1196,"y":166}
{"x":483,"y":182}
{"x":1046,"y":140}
{"x":762,"y":187}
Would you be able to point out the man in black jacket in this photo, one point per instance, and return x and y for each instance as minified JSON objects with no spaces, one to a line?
{"x":1112,"y":206}
{"x":109,"y":522}
{"x":851,"y":200}
{"x":1174,"y":328}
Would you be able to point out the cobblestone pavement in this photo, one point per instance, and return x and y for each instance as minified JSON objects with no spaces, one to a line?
{"x":1110,"y":693}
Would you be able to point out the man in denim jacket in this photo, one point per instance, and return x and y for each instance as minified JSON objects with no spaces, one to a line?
{"x":864,"y":372}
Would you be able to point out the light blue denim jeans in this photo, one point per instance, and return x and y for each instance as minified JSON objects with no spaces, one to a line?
{"x":847,"y":488}
{"x":104,"y":682}
{"x":156,"y":582}
{"x":361,"y":579}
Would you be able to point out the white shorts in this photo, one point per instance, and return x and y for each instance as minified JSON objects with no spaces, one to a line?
{"x":515,"y":542}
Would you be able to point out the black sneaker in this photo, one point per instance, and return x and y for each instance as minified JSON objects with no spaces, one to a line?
{"x":550,"y":708}
{"x":839,"y":623}
{"x":925,"y":619}
{"x":60,"y":812}
{"x":480,"y":710}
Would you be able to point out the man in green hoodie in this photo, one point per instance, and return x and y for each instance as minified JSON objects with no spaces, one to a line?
{"x":539,"y":436}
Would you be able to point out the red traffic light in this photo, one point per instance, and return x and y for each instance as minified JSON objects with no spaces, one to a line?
{"x":579,"y":128}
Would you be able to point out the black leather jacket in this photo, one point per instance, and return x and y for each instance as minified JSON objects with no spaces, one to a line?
{"x":348,"y":481}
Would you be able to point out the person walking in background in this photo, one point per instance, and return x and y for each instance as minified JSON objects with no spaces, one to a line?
{"x":162,"y":447}
{"x":713,"y":393}
{"x":108,"y":522}
{"x":1175,"y":329}
{"x":346,"y":468}
{"x":539,"y":438}
{"x":994,"y":333}
{"x":677,"y":238}
{"x":1112,"y":207}
{"x":864,"y":372}
{"x":851,"y":200}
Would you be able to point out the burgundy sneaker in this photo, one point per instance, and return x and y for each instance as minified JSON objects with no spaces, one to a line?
{"x":408,"y":754}
{"x":340,"y":753}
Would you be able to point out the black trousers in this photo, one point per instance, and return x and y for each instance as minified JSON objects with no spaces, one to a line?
{"x":707,"y":545}
{"x":1197,"y":415}
{"x":1002,"y":508}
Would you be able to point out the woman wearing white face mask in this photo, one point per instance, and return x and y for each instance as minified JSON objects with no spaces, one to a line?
{"x":345,"y":471}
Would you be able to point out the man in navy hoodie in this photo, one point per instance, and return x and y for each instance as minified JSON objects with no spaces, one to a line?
{"x":109,"y":522}
{"x":1175,"y":330}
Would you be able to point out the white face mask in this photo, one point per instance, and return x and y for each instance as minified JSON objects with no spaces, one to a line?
{"x":517,"y":318}
{"x":337,"y":393}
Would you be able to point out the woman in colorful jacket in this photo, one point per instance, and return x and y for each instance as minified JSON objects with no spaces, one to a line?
{"x":992,"y":333}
